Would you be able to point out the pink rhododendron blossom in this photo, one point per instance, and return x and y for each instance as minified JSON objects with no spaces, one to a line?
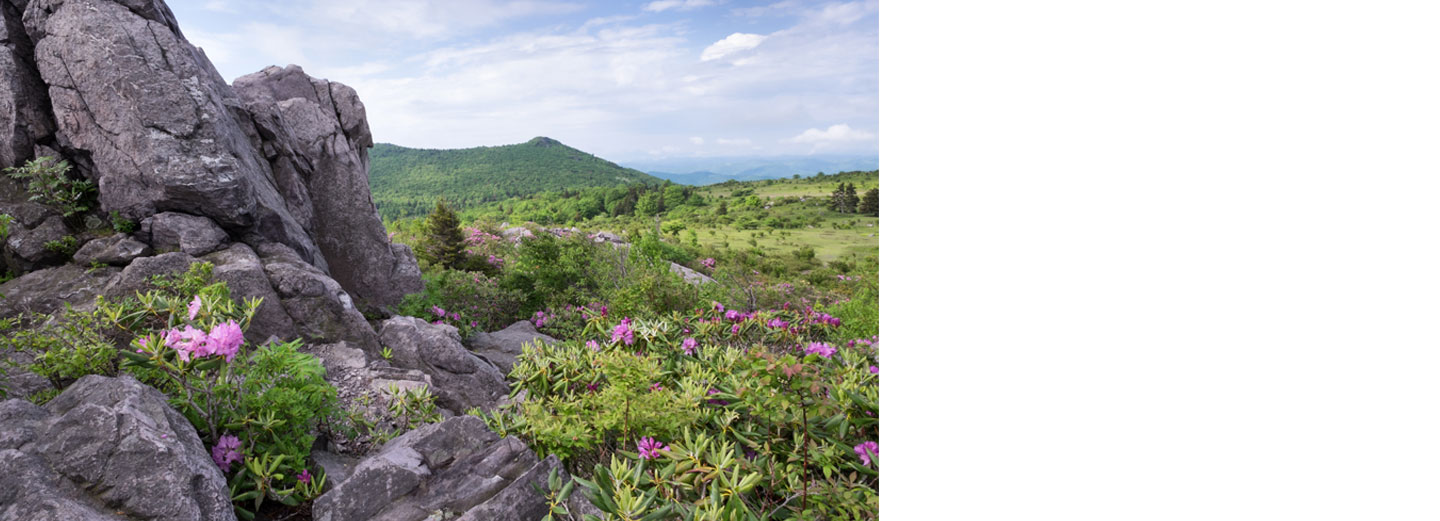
{"x":226,"y":451}
{"x":874,"y":369}
{"x":656,"y":387}
{"x":776,"y":323}
{"x":194,"y":307}
{"x":820,"y":348}
{"x":719,"y":308}
{"x":733,"y":316}
{"x":539,"y":319}
{"x":593,"y":345}
{"x":650,"y":449}
{"x":866,"y":450}
{"x":438,"y":311}
{"x":716,"y":402}
{"x":708,"y":263}
{"x":735,"y":329}
{"x":623,"y":332}
{"x":689,"y":346}
{"x":225,"y":340}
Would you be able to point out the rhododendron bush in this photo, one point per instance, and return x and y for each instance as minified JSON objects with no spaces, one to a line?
{"x":716,"y":414}
{"x":257,"y":408}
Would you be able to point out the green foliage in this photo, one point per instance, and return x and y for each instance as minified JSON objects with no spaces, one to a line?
{"x":405,"y":181}
{"x":5,"y":220}
{"x":72,"y":345}
{"x":50,"y":184}
{"x":465,"y":298}
{"x":870,"y":205}
{"x":750,"y":423}
{"x":552,"y":271}
{"x":65,"y":245}
{"x":121,"y":224}
{"x":442,"y":244}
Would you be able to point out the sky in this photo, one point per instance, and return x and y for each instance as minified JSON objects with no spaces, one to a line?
{"x":623,"y":80}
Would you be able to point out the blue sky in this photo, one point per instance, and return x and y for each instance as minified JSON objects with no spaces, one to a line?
{"x":623,"y":80}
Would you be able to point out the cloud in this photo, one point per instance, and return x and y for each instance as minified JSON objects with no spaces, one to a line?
{"x":733,"y":142}
{"x":732,"y":44}
{"x":683,"y":5}
{"x":840,"y":132}
{"x":697,"y":140}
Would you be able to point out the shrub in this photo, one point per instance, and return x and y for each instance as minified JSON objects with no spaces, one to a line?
{"x":469,"y":301}
{"x":49,"y":183}
{"x":65,"y":245}
{"x":710,"y":412}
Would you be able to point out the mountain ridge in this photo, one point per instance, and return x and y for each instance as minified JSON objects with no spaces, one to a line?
{"x":405,"y":182}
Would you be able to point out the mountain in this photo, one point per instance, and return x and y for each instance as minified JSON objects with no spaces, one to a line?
{"x":699,"y":171}
{"x":405,"y":182}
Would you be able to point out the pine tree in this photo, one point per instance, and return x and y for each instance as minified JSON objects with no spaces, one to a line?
{"x":870,"y":205}
{"x":852,"y":201}
{"x":837,"y":199}
{"x":441,"y":243}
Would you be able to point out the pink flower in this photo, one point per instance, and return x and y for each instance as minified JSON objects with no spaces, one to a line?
{"x":708,"y":263}
{"x":593,"y":345}
{"x":194,"y":307}
{"x":866,"y":450}
{"x":719,"y":308}
{"x":186,"y":342}
{"x":734,"y":316}
{"x":226,"y":451}
{"x":874,"y":369}
{"x":650,"y":449}
{"x":656,"y":387}
{"x":440,"y":312}
{"x":735,"y":329}
{"x":820,"y":348}
{"x":623,"y":332}
{"x":305,"y":476}
{"x":225,"y":340}
{"x":776,"y":323}
{"x":689,"y":346}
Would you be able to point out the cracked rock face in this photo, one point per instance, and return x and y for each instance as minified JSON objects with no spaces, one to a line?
{"x":462,"y":380}
{"x":457,"y":467}
{"x":102,"y":447}
{"x":113,"y":87}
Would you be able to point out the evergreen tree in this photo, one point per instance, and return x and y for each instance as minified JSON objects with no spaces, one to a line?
{"x":837,"y":199}
{"x":870,"y":205}
{"x":441,"y":243}
{"x":723,"y":209}
{"x":852,"y":201}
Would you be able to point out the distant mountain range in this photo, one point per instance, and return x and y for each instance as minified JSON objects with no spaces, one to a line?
{"x":405,"y":182}
{"x":709,"y":170}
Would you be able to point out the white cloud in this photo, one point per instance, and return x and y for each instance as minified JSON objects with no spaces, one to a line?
{"x":683,"y":5}
{"x":697,"y":140}
{"x":732,"y":44}
{"x":840,"y":132}
{"x":733,"y":142}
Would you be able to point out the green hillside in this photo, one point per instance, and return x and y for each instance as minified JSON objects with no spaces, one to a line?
{"x":405,"y":182}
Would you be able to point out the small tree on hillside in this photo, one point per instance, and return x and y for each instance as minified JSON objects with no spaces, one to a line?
{"x":852,"y":201}
{"x":837,"y":199}
{"x":441,"y":243}
{"x":870,"y":204}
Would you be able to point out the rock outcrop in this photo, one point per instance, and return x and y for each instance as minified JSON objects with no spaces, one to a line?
{"x":106,"y":448}
{"x":461,"y":379}
{"x":114,"y":88}
{"x":454,"y":468}
{"x":500,"y":348}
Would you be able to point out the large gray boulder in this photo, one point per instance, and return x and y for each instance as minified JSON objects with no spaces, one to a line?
{"x":316,"y":136}
{"x":321,"y":309}
{"x":115,"y":250}
{"x":114,"y":87}
{"x":243,"y":272}
{"x":462,"y":380}
{"x":502,"y":347}
{"x":175,"y":231}
{"x":106,"y":448}
{"x":50,"y":290}
{"x":150,"y":120}
{"x":25,"y":245}
{"x":455,"y":468}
